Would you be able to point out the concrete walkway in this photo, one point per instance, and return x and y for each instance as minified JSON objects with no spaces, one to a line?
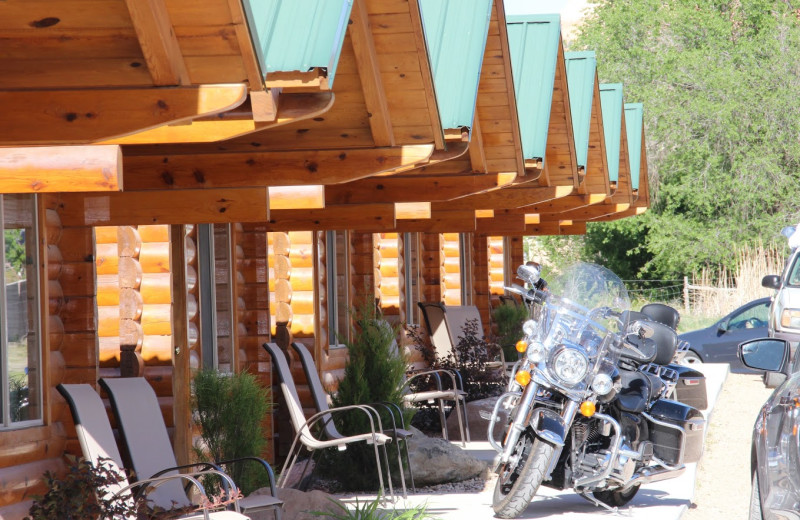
{"x":666,"y":500}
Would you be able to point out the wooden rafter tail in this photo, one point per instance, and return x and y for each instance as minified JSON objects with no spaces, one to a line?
{"x":505,"y":198}
{"x":233,"y":123}
{"x":44,"y":169}
{"x":360,"y":217}
{"x":87,"y":116}
{"x":461,"y":221}
{"x":158,"y":42}
{"x":454,"y":150}
{"x":269,"y":168}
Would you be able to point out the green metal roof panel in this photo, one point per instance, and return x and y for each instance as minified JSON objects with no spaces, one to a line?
{"x":533,"y":45}
{"x":298,"y":35}
{"x":456,"y":32}
{"x":611,"y":105}
{"x":633,"y":127}
{"x":581,"y":71}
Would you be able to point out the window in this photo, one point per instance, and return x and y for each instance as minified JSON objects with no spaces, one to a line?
{"x":19,"y":313}
{"x":751,"y":317}
{"x":411,"y":248}
{"x":216,"y":295}
{"x":338,"y":282}
{"x":465,"y":261}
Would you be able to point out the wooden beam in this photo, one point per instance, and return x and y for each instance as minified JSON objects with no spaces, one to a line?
{"x":181,"y":358}
{"x":477,"y":153}
{"x":593,"y":212}
{"x":415,"y":188}
{"x":36,"y":117}
{"x":369,"y":72}
{"x":296,"y":197}
{"x":360,"y":217}
{"x":255,"y":77}
{"x":412,"y":210}
{"x":264,"y":105}
{"x":234,"y":123}
{"x":440,"y":222}
{"x":505,"y":198}
{"x":158,"y":42}
{"x":165,"y":207}
{"x":554,"y":228}
{"x":571,"y":202}
{"x":41,"y":169}
{"x":502,"y":223}
{"x":235,"y":170}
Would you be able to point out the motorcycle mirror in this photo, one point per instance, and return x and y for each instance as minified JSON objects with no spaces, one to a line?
{"x":529,"y":273}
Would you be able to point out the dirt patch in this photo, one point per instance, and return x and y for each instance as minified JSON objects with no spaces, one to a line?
{"x":722,"y":488}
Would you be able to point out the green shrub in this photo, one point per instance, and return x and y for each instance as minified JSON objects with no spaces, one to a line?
{"x":509,"y":319}
{"x":230,"y":409}
{"x":374,"y":373}
{"x":370,"y":511}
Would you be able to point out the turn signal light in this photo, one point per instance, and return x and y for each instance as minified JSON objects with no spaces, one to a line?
{"x":588,"y":408}
{"x":521,"y":346}
{"x":523,"y":377}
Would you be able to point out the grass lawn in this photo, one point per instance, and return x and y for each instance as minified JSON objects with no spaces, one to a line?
{"x":17,"y":359}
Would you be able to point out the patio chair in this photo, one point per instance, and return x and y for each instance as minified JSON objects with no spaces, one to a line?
{"x":320,"y":397}
{"x":142,"y":429}
{"x":456,"y":318}
{"x":310,"y":432}
{"x":97,"y":443}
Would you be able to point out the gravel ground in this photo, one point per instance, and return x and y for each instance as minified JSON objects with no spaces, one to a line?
{"x":722,"y":488}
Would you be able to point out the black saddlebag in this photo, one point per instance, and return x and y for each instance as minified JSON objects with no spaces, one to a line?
{"x":676,"y":431}
{"x":691,"y":386}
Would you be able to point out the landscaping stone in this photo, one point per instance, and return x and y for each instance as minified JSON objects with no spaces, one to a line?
{"x":478,"y":426}
{"x":437,"y":461}
{"x":298,"y":504}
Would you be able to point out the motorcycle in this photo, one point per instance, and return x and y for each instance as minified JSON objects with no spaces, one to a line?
{"x":581,"y":415}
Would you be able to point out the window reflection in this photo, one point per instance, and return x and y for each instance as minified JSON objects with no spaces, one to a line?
{"x":19,"y":315}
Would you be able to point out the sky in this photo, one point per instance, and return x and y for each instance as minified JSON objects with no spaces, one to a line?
{"x":570,"y":10}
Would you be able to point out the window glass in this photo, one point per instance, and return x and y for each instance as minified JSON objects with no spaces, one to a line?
{"x":19,"y":318}
{"x":338,"y":285}
{"x":751,"y":318}
{"x":794,"y":274}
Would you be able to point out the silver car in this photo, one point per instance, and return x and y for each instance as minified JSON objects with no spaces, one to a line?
{"x":784,"y":311}
{"x":775,"y":451}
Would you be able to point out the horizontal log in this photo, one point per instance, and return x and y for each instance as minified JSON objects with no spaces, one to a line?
{"x":154,"y":257}
{"x":78,"y":349}
{"x":55,"y":169}
{"x":130,"y":304}
{"x":105,"y":235}
{"x":157,"y":319}
{"x":55,"y":295}
{"x":37,"y":444}
{"x":75,"y":242}
{"x":155,"y":233}
{"x":78,"y":314}
{"x":156,"y":287}
{"x":128,"y":241}
{"x":240,"y":170}
{"x":106,"y":259}
{"x":131,"y":333}
{"x":18,"y":483}
{"x":156,"y":349}
{"x":107,"y":290}
{"x":108,"y":317}
{"x":86,"y":116}
{"x":54,"y":261}
{"x":108,"y":351}
{"x":77,"y":278}
{"x":130,"y":273}
{"x":167,"y":207}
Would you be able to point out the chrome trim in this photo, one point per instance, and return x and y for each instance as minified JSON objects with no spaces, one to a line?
{"x":615,"y":447}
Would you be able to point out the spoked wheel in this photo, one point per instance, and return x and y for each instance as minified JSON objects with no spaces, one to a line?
{"x":616,"y":498}
{"x":521,"y":476}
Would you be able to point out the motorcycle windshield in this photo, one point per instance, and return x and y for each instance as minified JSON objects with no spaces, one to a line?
{"x":580,"y":322}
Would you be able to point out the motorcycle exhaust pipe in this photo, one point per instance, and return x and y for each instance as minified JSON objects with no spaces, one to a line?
{"x":648,"y":475}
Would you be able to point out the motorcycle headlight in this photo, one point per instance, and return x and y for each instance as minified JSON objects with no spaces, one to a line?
{"x":535,"y":352}
{"x":602,"y":384}
{"x":570,"y":365}
{"x":529,"y":327}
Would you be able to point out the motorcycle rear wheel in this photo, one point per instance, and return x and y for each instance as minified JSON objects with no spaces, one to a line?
{"x":517,"y":485}
{"x":616,"y":498}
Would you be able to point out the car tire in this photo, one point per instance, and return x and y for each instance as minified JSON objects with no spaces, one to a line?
{"x":691,"y":358}
{"x":755,"y":501}
{"x":773,"y":379}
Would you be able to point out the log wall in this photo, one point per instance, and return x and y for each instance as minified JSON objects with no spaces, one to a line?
{"x":451,"y":280}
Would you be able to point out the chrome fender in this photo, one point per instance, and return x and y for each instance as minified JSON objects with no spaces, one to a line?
{"x":549,"y":426}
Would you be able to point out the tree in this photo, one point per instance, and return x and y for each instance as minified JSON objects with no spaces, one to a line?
{"x":720,"y":82}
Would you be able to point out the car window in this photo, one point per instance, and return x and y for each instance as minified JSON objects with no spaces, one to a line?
{"x":794,"y":273}
{"x":751,"y":317}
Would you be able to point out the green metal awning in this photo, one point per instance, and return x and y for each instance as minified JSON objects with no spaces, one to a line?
{"x":455,"y":33}
{"x":581,"y":72}
{"x":533,"y":45}
{"x":611,"y":104}
{"x":298,"y":35}
{"x":633,"y":127}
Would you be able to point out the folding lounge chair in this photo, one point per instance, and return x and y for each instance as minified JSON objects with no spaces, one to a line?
{"x":320,"y":397}
{"x":304,"y":427}
{"x":97,"y":442}
{"x":142,"y":429}
{"x":456,"y":318}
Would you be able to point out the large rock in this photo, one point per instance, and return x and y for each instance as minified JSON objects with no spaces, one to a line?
{"x":437,"y":461}
{"x":297,"y":505}
{"x":478,"y":426}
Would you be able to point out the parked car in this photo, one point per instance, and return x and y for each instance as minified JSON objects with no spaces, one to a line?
{"x":775,"y":450}
{"x":784,"y":312}
{"x":718,"y":343}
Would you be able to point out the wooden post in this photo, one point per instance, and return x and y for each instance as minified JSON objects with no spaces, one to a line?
{"x":181,"y":372}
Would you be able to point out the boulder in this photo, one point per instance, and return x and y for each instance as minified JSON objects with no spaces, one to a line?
{"x":298,"y":505}
{"x":437,"y":461}
{"x":478,"y":426}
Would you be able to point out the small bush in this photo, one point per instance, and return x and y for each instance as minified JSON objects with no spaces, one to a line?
{"x":370,"y":511}
{"x":230,"y":409}
{"x":509,"y":319}
{"x":469,"y":357}
{"x":74,"y":497}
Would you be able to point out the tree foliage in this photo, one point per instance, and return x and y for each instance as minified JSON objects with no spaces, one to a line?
{"x":720,"y":82}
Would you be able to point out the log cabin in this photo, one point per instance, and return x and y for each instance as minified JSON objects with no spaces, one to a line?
{"x":183,"y":180}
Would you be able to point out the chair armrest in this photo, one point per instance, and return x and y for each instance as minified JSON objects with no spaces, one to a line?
{"x":434,"y":373}
{"x":191,"y":478}
{"x":257,"y":460}
{"x":368,"y":410}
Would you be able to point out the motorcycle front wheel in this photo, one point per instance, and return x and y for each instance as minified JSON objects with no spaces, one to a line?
{"x":519,"y":480}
